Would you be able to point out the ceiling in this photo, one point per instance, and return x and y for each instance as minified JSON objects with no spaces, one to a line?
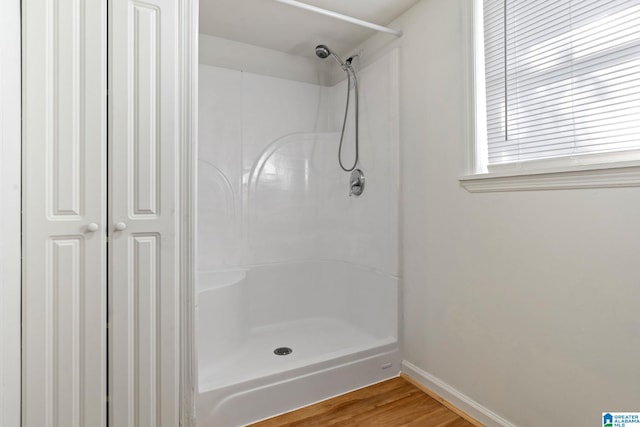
{"x":274,"y":25}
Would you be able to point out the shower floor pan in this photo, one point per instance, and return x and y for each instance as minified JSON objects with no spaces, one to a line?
{"x":311,"y":341}
{"x":339,"y":320}
{"x":329,"y":357}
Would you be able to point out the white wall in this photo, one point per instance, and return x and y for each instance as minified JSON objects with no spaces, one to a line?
{"x":526,"y":302}
{"x":9,"y":213}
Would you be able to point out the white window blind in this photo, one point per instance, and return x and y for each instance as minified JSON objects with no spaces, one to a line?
{"x":562,"y":78}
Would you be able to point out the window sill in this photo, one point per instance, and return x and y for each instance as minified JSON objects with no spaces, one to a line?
{"x":613,"y":175}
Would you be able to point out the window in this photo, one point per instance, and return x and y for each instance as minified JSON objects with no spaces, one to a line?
{"x":557,"y":86}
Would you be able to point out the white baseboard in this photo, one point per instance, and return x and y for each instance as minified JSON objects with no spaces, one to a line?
{"x":453,"y":396}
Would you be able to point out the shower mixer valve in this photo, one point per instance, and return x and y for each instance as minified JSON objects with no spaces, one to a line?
{"x":356,"y":183}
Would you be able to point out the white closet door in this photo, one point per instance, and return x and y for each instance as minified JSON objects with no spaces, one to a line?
{"x":143,"y":184}
{"x":64,"y":240}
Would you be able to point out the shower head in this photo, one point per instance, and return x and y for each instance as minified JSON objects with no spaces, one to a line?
{"x":323,"y":51}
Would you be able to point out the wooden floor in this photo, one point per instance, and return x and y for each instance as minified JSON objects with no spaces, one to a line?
{"x":392,"y":403}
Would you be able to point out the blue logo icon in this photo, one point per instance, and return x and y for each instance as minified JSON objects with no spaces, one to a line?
{"x":607,"y":420}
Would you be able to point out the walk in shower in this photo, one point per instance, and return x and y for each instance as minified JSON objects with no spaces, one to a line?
{"x":298,"y":279}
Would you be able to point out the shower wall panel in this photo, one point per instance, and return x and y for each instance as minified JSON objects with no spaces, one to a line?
{"x":364,"y":230}
{"x":219,"y":167}
{"x":271,"y":189}
{"x":242,"y":116}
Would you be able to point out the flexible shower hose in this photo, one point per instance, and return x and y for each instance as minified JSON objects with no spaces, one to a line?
{"x":349,"y":69}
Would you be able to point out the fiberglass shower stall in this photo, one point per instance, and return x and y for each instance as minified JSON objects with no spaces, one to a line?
{"x":298,"y":281}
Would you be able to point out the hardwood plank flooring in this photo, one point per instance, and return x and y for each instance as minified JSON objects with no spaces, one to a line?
{"x":392,"y":403}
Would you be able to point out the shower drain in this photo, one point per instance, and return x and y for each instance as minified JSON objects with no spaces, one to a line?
{"x":282,"y":351}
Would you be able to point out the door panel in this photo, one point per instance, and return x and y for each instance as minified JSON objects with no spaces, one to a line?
{"x":144,"y":117}
{"x":144,"y":147}
{"x":64,"y":191}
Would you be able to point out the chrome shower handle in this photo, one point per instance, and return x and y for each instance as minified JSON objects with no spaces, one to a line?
{"x":356,"y":183}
